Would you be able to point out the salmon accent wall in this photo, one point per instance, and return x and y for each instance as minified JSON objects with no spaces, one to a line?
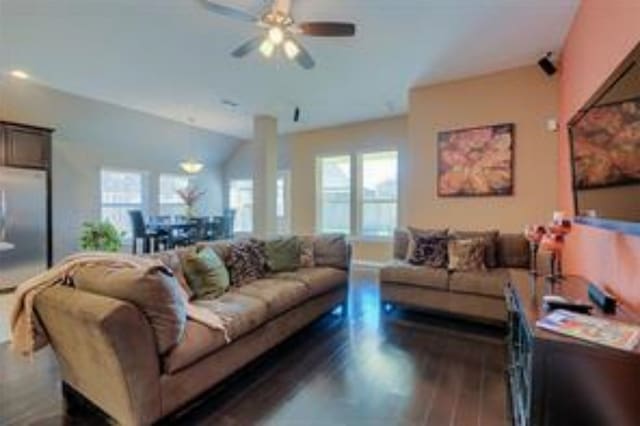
{"x":601,"y":36}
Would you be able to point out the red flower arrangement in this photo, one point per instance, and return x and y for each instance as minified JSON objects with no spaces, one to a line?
{"x":550,"y":238}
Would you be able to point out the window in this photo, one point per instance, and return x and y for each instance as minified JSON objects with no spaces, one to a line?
{"x":170,"y":202}
{"x":334,"y":195}
{"x":120,"y":191}
{"x":378,"y":193}
{"x":241,"y":200}
{"x":283,"y":203}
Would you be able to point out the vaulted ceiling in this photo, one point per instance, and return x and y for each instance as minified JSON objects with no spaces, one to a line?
{"x":171,"y":57}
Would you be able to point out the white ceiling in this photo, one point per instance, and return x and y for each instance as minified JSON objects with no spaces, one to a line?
{"x":171,"y":57}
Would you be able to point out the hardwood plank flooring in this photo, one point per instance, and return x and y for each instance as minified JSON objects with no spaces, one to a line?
{"x":367,"y":368}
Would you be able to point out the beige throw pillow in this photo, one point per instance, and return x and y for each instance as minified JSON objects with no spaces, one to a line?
{"x":467,"y":254}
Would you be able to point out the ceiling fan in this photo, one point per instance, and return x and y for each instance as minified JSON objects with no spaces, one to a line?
{"x":280,"y":29}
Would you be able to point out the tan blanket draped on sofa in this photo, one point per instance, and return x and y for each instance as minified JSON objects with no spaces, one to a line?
{"x":27,"y":332}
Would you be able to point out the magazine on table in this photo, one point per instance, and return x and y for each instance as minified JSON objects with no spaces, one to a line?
{"x":602,"y":331}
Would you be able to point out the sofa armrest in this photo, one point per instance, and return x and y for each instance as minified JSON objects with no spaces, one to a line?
{"x":106,"y":351}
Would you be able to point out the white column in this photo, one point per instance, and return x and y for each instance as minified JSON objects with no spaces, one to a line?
{"x":265,"y":174}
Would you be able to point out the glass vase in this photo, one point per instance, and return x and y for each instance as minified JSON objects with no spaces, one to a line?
{"x":533,"y":257}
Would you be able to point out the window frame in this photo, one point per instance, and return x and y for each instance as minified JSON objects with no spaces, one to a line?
{"x":176,"y":205}
{"x":229,"y":204}
{"x":283,"y":226}
{"x":144,"y":196}
{"x":319,"y":191}
{"x":360,"y":202}
{"x":356,"y":189}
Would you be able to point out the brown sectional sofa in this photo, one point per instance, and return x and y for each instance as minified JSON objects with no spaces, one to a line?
{"x":106,"y":350}
{"x":476,"y":295}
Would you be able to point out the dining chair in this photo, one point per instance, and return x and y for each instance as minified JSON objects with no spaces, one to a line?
{"x":140,"y":231}
{"x":215,"y":229}
{"x":228,"y":216}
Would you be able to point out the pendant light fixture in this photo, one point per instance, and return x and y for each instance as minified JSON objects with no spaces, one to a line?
{"x":191,"y":166}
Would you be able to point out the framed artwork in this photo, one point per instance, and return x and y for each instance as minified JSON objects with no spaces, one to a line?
{"x":476,"y":161}
{"x":606,"y":146}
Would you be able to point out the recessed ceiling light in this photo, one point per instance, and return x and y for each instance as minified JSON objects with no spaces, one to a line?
{"x":19,"y":74}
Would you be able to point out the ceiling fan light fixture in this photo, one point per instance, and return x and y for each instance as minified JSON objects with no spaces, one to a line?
{"x":291,"y":49}
{"x":276,"y":35}
{"x":267,"y":48}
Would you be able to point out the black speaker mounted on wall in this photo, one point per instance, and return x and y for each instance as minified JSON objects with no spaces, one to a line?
{"x":547,"y":65}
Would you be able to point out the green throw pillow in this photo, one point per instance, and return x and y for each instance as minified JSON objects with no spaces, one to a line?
{"x":283,"y":254}
{"x":205,"y":272}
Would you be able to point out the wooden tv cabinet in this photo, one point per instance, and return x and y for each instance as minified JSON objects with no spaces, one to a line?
{"x":557,"y":380}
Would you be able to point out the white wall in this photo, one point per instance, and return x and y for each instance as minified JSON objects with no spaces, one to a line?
{"x":91,"y":134}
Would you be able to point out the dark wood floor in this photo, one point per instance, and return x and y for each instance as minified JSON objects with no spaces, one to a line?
{"x":366,"y":369}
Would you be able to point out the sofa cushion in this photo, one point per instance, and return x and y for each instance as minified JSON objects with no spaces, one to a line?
{"x":404,"y":273}
{"x":513,"y":251}
{"x":490,"y":282}
{"x":283,"y":254}
{"x":205,"y":272}
{"x":155,"y":291}
{"x":247,"y":261}
{"x":331,"y":250}
{"x":491,"y":247}
{"x":241,"y":315}
{"x":278,"y":294}
{"x":467,"y":255}
{"x":318,"y":280}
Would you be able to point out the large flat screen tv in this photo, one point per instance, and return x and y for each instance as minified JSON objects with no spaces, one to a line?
{"x":605,"y":152}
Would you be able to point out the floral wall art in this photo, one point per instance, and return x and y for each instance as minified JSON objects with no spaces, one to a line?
{"x":476,"y":161}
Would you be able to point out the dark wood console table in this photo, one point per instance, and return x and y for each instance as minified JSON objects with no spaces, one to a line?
{"x":557,"y":380}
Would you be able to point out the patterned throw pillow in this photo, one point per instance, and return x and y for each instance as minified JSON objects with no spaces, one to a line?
{"x":247,"y":261}
{"x":306,"y":252}
{"x":429,"y":251}
{"x":467,"y":254}
{"x":491,"y":244}
{"x":424,"y":233}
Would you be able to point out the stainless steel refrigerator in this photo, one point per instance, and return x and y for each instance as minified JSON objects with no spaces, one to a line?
{"x":23,"y":224}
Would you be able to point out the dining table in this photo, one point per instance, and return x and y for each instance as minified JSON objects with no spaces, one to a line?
{"x":184,"y":231}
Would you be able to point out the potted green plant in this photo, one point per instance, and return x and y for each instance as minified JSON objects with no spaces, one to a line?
{"x":100,"y":236}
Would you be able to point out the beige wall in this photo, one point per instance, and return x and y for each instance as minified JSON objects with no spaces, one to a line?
{"x":91,"y":134}
{"x":524,"y":96}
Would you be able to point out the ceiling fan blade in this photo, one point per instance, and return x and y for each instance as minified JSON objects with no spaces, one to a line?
{"x":303,"y":58}
{"x":247,"y":47}
{"x":327,"y":29}
{"x":229,"y":12}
